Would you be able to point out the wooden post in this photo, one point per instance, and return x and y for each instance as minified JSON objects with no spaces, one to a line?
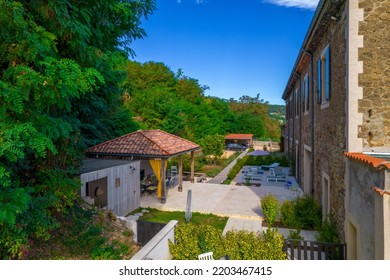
{"x":180,"y":187}
{"x":192,"y":166}
{"x":163,"y":184}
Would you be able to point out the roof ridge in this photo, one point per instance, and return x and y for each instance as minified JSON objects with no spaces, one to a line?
{"x":150,"y":140}
{"x":170,"y":134}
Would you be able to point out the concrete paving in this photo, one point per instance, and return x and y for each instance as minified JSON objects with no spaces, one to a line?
{"x":223,"y":174}
{"x":238,"y":202}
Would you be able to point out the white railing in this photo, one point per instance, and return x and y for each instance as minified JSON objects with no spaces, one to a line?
{"x":158,"y":247}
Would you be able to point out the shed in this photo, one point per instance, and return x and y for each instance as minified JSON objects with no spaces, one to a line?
{"x":152,"y":148}
{"x":111,"y":184}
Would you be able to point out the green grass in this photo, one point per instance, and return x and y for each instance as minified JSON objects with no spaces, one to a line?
{"x":158,"y":216}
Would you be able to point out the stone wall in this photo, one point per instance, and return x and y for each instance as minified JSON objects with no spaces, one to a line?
{"x":375,"y":79}
{"x":330,"y":122}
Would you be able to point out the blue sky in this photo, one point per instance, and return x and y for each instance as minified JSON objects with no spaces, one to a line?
{"x":235,"y":47}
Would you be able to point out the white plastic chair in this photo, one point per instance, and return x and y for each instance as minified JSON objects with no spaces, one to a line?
{"x":206,"y":256}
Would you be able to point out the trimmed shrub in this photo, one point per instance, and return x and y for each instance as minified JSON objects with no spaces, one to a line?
{"x":302,"y":213}
{"x":287,"y":213}
{"x":193,"y":240}
{"x":270,"y":206}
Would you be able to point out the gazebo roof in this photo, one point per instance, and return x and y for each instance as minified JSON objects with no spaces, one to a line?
{"x":144,"y":143}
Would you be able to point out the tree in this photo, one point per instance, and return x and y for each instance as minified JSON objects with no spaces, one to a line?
{"x":213,"y":146}
{"x":58,"y":91}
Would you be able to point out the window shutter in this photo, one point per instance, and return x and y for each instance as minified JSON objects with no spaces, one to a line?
{"x":327,"y":86}
{"x":319,"y":81}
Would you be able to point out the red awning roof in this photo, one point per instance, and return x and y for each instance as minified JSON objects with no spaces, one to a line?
{"x":144,"y":143}
{"x":376,"y":162}
{"x":238,"y":136}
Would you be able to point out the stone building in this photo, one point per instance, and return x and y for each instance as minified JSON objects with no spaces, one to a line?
{"x":338,"y":103}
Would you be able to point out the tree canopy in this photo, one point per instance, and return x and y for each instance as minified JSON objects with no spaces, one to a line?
{"x":160,"y":98}
{"x":58,"y":93}
{"x":66,"y":83}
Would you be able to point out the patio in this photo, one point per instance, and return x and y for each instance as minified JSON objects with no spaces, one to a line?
{"x":237,"y":199}
{"x":270,"y":180}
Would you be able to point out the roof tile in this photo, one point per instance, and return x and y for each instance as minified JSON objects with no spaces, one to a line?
{"x":144,"y":143}
{"x":373,"y":161}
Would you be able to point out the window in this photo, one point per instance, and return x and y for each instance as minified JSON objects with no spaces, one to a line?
{"x":323,"y":79}
{"x":305,"y":91}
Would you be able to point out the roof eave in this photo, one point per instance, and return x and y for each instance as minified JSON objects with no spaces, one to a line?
{"x":306,"y":40}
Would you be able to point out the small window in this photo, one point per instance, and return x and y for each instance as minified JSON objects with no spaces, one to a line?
{"x":323,"y":77}
{"x":117,"y":182}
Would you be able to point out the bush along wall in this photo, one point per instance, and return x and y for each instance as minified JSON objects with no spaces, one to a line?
{"x":191,"y":240}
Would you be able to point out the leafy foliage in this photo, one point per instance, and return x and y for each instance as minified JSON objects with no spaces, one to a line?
{"x":270,"y":207}
{"x":213,"y":145}
{"x":328,"y":231}
{"x":302,"y":213}
{"x":177,"y":104}
{"x":191,"y":240}
{"x":59,"y":93}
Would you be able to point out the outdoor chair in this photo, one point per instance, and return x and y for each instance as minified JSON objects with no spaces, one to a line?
{"x":267,"y":167}
{"x":206,"y":256}
{"x":288,"y":185}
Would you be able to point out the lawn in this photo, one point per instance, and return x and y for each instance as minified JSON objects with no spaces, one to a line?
{"x":158,"y":216}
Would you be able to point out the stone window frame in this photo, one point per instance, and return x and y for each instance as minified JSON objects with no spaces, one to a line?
{"x":323,"y":78}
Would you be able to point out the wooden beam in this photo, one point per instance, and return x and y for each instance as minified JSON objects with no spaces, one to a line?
{"x":163,"y":184}
{"x":180,"y":187}
{"x":192,"y":166}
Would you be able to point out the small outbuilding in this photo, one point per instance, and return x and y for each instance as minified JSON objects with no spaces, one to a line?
{"x":241,"y":139}
{"x":119,"y":165}
{"x":111,"y":184}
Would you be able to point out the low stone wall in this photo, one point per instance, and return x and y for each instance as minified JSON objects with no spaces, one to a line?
{"x":158,"y":247}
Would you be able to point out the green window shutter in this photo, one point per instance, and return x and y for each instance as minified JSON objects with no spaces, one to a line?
{"x":327,"y":74}
{"x":319,"y":81}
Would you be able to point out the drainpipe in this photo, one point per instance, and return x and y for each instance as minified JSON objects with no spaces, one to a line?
{"x":312,"y":121}
{"x":298,"y":159}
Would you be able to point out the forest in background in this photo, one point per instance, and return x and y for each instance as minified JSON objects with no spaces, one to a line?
{"x":161,"y":99}
{"x":66,"y":83}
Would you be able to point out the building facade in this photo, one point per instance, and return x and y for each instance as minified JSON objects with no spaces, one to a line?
{"x":337,"y":102}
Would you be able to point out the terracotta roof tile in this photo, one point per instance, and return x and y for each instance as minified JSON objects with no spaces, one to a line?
{"x":144,"y":143}
{"x":239,"y":136}
{"x":368,"y":159}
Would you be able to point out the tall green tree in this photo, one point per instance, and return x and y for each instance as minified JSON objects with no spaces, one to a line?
{"x":213,"y":146}
{"x":58,"y":93}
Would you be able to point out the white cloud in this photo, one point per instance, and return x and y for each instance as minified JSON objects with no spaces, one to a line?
{"x":305,"y":4}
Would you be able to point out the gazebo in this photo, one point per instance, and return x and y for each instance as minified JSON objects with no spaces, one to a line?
{"x":156,"y":146}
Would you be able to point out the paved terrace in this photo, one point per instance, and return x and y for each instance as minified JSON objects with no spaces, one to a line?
{"x":240,"y":203}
